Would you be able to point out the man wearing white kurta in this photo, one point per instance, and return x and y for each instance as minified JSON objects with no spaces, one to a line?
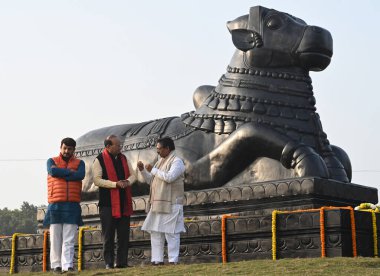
{"x":165,"y":217}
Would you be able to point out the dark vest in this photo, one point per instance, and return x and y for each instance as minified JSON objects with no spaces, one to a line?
{"x":104,"y":193}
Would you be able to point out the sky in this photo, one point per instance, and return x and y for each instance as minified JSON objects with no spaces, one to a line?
{"x":69,"y":67}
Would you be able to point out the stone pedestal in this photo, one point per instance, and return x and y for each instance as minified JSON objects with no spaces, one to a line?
{"x":249,"y":232}
{"x":252,"y":199}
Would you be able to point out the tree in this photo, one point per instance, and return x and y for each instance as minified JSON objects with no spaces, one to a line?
{"x":23,"y":220}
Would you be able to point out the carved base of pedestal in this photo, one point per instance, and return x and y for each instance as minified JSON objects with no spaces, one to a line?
{"x":249,"y":235}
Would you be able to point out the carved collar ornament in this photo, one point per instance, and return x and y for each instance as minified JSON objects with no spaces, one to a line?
{"x":269,"y":74}
{"x":237,"y":100}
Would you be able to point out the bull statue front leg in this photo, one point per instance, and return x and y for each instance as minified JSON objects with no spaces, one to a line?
{"x":243,"y":146}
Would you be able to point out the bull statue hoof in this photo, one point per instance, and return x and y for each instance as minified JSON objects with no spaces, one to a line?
{"x":260,"y":119}
{"x":304,"y":160}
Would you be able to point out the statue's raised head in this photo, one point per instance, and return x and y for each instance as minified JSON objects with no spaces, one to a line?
{"x":270,"y":38}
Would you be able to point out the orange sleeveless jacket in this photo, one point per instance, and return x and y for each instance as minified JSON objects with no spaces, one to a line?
{"x":60,"y":190}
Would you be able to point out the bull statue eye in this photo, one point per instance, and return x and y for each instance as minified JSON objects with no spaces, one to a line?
{"x":274,"y":22}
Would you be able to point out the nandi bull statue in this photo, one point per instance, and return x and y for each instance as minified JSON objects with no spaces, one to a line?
{"x":258,"y":124}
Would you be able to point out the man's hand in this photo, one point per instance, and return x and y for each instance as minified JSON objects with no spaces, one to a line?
{"x":140,"y":166}
{"x":148,"y":167}
{"x":122,"y":184}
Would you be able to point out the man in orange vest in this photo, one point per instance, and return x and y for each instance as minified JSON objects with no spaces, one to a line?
{"x":65,"y":175}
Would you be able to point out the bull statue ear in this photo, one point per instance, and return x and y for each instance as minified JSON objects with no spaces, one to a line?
{"x":243,"y":39}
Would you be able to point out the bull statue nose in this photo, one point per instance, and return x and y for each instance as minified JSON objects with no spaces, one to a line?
{"x":315,"y":49}
{"x":228,"y":24}
{"x":238,"y":23}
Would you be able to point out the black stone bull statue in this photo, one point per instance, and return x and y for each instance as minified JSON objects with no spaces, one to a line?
{"x":258,"y":124}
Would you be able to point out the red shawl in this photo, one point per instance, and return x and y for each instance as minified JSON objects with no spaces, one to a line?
{"x":115,"y":196}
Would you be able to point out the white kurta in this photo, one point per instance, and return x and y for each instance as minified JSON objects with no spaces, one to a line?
{"x":160,"y":222}
{"x":165,"y":223}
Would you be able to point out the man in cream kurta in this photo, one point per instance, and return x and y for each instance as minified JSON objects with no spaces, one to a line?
{"x":165,"y":216}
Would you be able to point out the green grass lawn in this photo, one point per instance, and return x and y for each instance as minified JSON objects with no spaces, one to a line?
{"x":305,"y":267}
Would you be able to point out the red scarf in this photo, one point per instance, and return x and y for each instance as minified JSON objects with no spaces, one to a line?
{"x":115,"y":196}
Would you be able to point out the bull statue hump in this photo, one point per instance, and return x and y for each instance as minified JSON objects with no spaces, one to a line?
{"x":258,"y":124}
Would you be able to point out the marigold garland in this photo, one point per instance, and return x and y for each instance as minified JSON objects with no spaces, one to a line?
{"x":80,"y":244}
{"x":363,"y":207}
{"x":13,"y":254}
{"x":322,"y":228}
{"x":322,"y":232}
{"x":224,"y":237}
{"x":353,"y":229}
{"x":44,"y":250}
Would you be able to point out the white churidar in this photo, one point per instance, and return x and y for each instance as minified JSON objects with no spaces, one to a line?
{"x":157,"y":240}
{"x":62,"y":238}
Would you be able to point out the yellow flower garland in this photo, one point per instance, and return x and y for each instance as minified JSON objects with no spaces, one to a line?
{"x":274,"y":231}
{"x":374,"y":227}
{"x":13,"y":254}
{"x":191,"y":219}
{"x":369,"y":207}
{"x":366,"y":205}
{"x":80,"y":244}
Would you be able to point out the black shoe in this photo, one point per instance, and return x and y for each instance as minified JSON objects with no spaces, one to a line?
{"x":173,"y":263}
{"x":122,"y":266}
{"x":157,"y":263}
{"x":57,"y":270}
{"x":109,"y":266}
